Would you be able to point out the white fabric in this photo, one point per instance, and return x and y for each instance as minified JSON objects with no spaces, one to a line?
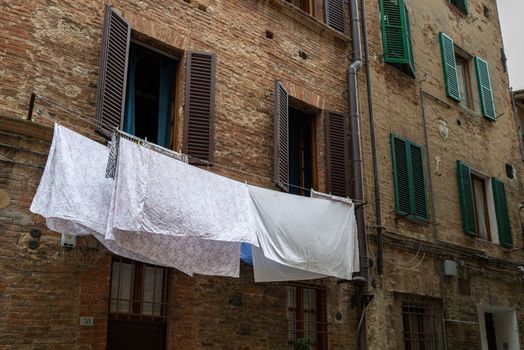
{"x":267,"y":270}
{"x":309,"y":234}
{"x":75,"y":197}
{"x":161,"y":195}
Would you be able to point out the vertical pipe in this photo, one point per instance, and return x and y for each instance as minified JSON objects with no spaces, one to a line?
{"x":356,"y":156}
{"x":356,"y":151}
{"x":372,"y":131}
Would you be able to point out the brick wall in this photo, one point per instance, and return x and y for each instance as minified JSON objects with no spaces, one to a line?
{"x":52,"y":48}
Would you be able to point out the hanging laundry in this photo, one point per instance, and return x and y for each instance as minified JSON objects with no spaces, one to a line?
{"x":160,"y":195}
{"x":309,"y":234}
{"x":75,"y":198}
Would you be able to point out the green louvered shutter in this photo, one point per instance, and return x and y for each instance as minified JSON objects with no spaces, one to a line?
{"x":501,"y":210}
{"x":419,"y":203}
{"x":396,"y":35}
{"x":450,"y":67}
{"x":466,"y":199}
{"x":486,"y":92}
{"x":462,"y":5}
{"x":409,"y":43}
{"x":401,"y":176}
{"x":393,"y":33}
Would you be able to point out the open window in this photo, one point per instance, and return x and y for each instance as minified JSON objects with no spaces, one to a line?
{"x":302,"y":152}
{"x":467,"y":78}
{"x":136,"y":90}
{"x":333,"y":11}
{"x":295,"y":147}
{"x":150,"y":94}
{"x":484,"y":206}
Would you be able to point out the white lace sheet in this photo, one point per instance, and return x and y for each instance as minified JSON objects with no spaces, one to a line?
{"x":307,"y":235}
{"x":75,"y":197}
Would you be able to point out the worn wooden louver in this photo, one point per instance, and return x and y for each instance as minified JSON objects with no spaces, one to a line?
{"x":409,"y":180}
{"x":485,"y":89}
{"x":419,"y":186}
{"x":281,"y":143}
{"x":502,"y":213}
{"x":396,"y":35}
{"x":334,"y":10}
{"x":112,"y":79}
{"x":401,"y":176}
{"x":337,"y":160}
{"x":467,"y":208}
{"x":200,"y":106}
{"x":449,"y":64}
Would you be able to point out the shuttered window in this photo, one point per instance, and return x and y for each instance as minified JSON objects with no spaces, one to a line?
{"x":396,"y":35}
{"x":281,"y":142}
{"x":334,"y":10}
{"x":337,"y":161}
{"x":409,"y":180}
{"x":462,"y":5}
{"x":502,"y":213}
{"x":200,"y":106}
{"x":485,"y":89}
{"x":467,"y":208}
{"x":449,"y":65}
{"x":112,"y":76}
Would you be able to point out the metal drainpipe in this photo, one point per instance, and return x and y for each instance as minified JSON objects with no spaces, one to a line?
{"x":356,"y":153}
{"x":371,"y":112}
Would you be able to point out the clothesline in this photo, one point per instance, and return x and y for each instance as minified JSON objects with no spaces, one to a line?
{"x":174,"y":154}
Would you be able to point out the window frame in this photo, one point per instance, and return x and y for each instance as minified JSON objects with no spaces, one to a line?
{"x":310,"y":6}
{"x":137,"y":288}
{"x":497,"y":208}
{"x":472,"y":88}
{"x":321,"y":323}
{"x":400,"y":299}
{"x":475,"y":177}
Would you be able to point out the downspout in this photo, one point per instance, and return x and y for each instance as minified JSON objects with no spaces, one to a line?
{"x":371,"y":112}
{"x":356,"y":156}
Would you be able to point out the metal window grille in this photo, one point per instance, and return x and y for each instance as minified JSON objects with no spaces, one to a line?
{"x":419,"y":326}
{"x":138,"y":290}
{"x":307,"y":314}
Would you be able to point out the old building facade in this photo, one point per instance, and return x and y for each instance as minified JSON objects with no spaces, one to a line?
{"x":445,"y":234}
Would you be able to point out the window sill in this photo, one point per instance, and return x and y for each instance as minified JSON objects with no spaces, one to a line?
{"x":308,"y":20}
{"x":412,"y":219}
{"x":485,"y":242}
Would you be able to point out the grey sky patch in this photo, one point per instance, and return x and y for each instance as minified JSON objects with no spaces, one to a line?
{"x":512,"y":23}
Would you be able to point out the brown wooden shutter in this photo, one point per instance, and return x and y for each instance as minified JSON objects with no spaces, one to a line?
{"x":200,"y":106}
{"x":337,"y":159}
{"x":334,"y":10}
{"x":112,"y":75}
{"x":281,"y":137}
